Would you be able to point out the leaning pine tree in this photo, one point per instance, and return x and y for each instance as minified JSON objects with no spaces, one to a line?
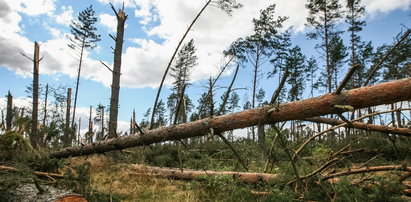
{"x":82,"y":37}
{"x":186,"y":60}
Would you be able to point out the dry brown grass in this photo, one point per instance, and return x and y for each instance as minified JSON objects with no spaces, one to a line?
{"x":119,"y":179}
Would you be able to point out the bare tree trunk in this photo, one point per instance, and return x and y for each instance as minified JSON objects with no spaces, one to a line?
{"x":363,"y":126}
{"x":90,"y":126}
{"x":78,"y":82}
{"x":78,"y":131}
{"x":9,"y":114}
{"x":34,"y":137}
{"x":115,"y":86}
{"x":67,"y":131}
{"x":384,"y":93}
{"x":187,"y":174}
{"x":45,"y":105}
{"x":327,"y":51}
{"x":261,"y":141}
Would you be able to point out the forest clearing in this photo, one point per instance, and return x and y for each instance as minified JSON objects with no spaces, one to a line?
{"x":337,"y":126}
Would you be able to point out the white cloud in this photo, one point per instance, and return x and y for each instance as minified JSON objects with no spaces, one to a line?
{"x":108,"y":21}
{"x":143,"y":65}
{"x":376,"y":6}
{"x":33,"y":7}
{"x":65,"y":17}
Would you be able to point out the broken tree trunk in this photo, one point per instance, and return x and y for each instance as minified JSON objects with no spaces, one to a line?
{"x":67,"y":131}
{"x":9,"y":113}
{"x":34,"y":137}
{"x":363,"y":126}
{"x":115,"y":86}
{"x":188,"y":174}
{"x":384,"y":93}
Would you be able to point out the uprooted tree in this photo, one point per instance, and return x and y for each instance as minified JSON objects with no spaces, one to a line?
{"x":383,"y":93}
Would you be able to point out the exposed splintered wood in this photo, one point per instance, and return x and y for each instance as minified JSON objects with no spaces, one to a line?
{"x":363,"y":126}
{"x":188,"y":174}
{"x":383,"y":93}
{"x":115,"y":85}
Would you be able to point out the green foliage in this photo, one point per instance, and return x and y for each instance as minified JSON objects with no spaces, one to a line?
{"x":14,"y":147}
{"x":345,"y":191}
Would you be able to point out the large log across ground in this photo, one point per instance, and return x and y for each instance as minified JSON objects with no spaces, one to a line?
{"x":384,"y":93}
{"x":189,"y":174}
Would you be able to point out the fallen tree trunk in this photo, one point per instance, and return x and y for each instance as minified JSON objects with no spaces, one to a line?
{"x":384,"y":93}
{"x":38,"y":173}
{"x":363,"y":126}
{"x":188,"y":174}
{"x":368,"y":169}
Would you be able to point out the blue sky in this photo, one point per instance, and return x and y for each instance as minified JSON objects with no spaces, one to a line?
{"x":152,"y":32}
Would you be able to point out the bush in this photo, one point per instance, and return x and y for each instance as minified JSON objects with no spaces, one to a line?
{"x":13,"y":147}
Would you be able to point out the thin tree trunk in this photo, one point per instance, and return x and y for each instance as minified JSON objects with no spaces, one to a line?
{"x":90,"y":126}
{"x":67,"y":131}
{"x":171,"y":60}
{"x":384,"y":93}
{"x":45,"y":106}
{"x":34,"y":137}
{"x":9,"y":113}
{"x":115,"y":86}
{"x":327,"y":51}
{"x":363,"y":126}
{"x":78,"y":82}
{"x":261,"y":141}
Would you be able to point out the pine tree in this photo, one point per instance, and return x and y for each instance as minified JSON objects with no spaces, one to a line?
{"x":338,"y":53}
{"x":323,"y":17}
{"x":295,"y":63}
{"x":99,"y":119}
{"x":160,"y":116}
{"x":233,"y":101}
{"x":260,"y":46}
{"x":311,"y":69}
{"x":398,"y":65}
{"x":356,"y":24}
{"x":82,"y":37}
{"x":180,"y":72}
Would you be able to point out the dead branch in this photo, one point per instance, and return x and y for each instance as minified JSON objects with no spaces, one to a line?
{"x":38,"y":173}
{"x":367,"y":170}
{"x":227,"y":94}
{"x":363,"y":126}
{"x":386,"y":56}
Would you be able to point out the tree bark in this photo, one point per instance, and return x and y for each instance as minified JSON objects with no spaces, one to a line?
{"x":115,"y":86}
{"x":9,"y":113}
{"x":363,"y":126}
{"x":368,"y":169}
{"x":384,"y":93}
{"x":188,"y":174}
{"x":67,"y":131}
{"x":34,"y":137}
{"x":45,"y":106}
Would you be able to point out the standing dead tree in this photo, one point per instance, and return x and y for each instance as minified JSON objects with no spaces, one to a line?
{"x":9,"y":113}
{"x":383,"y":93}
{"x":67,"y":130}
{"x":35,"y":139}
{"x":115,"y":86}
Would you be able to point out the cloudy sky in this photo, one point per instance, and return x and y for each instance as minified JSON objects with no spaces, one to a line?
{"x":152,"y":33}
